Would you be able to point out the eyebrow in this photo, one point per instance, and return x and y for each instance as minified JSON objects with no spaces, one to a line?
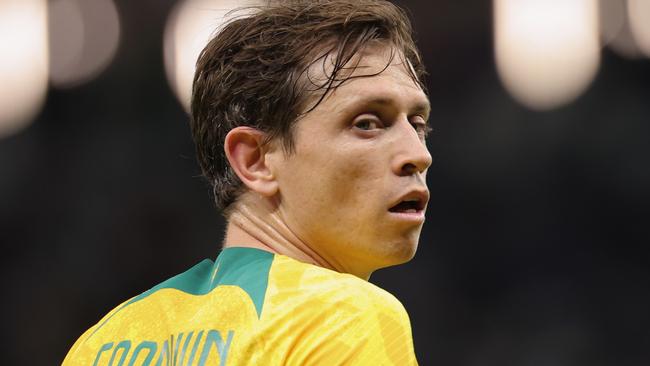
{"x":421,"y":107}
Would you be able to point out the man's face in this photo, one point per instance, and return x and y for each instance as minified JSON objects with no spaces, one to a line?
{"x":359,"y":158}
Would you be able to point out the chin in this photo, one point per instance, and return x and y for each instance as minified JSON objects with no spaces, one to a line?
{"x":407,"y":252}
{"x":398,"y":252}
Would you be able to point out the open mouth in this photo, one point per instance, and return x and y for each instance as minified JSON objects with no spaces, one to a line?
{"x":413,"y":205}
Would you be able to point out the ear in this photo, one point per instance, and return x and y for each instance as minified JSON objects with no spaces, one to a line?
{"x":246,"y":155}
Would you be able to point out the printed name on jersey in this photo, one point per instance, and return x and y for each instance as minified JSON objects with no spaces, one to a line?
{"x":187,"y":349}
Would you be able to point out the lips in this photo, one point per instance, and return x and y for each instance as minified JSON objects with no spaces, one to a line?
{"x":413,"y":202}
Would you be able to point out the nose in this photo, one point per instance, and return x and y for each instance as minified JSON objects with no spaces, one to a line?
{"x":412,"y":156}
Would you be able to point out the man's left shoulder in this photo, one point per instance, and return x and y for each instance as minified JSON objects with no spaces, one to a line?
{"x":366,"y":294}
{"x":347,"y":294}
{"x":344,"y":319}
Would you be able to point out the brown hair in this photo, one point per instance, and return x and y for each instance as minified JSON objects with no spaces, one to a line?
{"x":254,"y":72}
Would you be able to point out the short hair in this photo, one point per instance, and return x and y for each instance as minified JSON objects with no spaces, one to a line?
{"x":255,"y":72}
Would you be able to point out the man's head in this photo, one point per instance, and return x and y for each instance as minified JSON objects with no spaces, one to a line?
{"x":254,"y":72}
{"x":318,"y":107}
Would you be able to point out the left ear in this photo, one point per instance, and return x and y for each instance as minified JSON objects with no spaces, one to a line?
{"x":246,"y":154}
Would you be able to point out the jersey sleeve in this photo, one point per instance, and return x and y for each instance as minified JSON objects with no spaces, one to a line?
{"x":356,"y":332}
{"x":78,"y":353}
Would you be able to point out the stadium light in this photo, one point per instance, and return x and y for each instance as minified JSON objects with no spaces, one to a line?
{"x":84,"y":36}
{"x":547,"y":51}
{"x":639,"y":16}
{"x":189,"y":27}
{"x":23,"y":62}
{"x":615,"y":29}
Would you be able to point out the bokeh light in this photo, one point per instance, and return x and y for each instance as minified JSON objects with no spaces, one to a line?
{"x":84,"y":36}
{"x":615,"y":29}
{"x":547,"y":51}
{"x":23,"y":62}
{"x":189,"y":27}
{"x":612,"y":17}
{"x":639,"y":15}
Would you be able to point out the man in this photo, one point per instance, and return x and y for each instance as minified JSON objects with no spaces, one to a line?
{"x":309,"y":119}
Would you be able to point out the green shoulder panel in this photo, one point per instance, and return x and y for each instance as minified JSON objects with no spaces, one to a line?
{"x":247,"y":268}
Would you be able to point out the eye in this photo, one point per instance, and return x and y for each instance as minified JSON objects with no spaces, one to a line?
{"x":420,"y":126}
{"x":368,"y":124}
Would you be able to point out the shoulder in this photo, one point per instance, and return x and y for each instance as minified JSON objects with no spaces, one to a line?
{"x":360,"y":302}
{"x":340,"y":319}
{"x":139,"y":313}
{"x":332,"y":289}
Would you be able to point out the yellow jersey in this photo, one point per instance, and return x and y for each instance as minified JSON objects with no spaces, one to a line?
{"x":252,"y":307}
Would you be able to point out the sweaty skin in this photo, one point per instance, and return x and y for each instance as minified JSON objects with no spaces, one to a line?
{"x":356,"y":155}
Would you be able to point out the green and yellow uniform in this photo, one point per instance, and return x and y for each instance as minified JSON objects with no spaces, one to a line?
{"x":252,"y":307}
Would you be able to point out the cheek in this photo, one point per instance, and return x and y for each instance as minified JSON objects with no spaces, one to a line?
{"x":348,"y":181}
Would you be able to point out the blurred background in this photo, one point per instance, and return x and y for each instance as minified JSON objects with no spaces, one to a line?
{"x":535,"y":250}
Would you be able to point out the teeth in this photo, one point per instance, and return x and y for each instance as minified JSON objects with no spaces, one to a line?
{"x":410,"y":210}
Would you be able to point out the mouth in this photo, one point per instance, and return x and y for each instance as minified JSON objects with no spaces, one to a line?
{"x":411,"y":204}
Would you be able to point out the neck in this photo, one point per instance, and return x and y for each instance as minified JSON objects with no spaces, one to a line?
{"x":256,"y":222}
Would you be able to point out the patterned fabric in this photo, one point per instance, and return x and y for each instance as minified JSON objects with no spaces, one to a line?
{"x":252,"y":307}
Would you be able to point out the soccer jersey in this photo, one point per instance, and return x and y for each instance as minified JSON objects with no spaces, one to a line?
{"x":252,"y":307}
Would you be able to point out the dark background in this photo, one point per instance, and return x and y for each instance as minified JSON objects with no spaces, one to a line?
{"x":535,"y":251}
